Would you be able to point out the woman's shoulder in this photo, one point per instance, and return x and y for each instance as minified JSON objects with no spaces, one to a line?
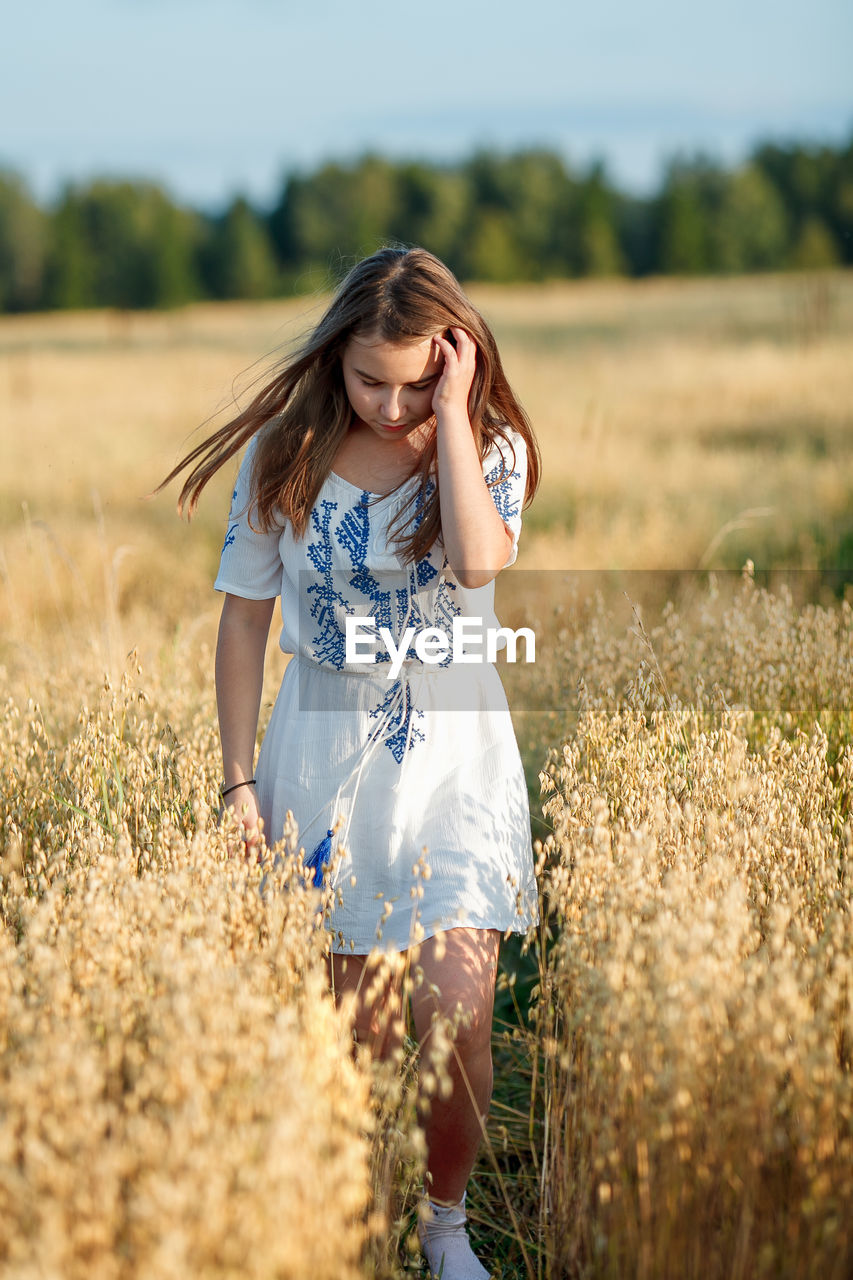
{"x":247,"y":462}
{"x":244,"y":498}
{"x":506,"y":449}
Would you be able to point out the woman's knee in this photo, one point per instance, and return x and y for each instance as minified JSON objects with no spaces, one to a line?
{"x":457,"y":986}
{"x":369,"y":996}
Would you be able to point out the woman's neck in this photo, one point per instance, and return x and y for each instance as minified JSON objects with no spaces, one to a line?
{"x":379,"y":466}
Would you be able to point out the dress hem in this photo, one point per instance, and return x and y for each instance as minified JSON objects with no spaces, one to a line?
{"x":432,"y":932}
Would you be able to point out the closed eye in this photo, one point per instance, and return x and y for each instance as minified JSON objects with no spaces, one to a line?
{"x":415,"y":386}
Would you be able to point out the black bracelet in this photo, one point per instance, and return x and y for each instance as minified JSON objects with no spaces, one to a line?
{"x":249,"y":782}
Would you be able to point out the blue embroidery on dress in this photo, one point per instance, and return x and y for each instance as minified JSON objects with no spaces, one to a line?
{"x":425,"y":571}
{"x":352,"y":533}
{"x":396,"y":607}
{"x":405,"y":736}
{"x":444,"y":609}
{"x":231,"y":535}
{"x":330,"y":644}
{"x":501,"y":490}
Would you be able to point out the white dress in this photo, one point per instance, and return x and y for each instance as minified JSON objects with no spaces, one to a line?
{"x":416,"y":773}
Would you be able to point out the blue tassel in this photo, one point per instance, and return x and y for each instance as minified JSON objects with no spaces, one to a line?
{"x":320,"y":857}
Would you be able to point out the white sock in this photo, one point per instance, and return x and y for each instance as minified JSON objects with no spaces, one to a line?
{"x":445,"y":1243}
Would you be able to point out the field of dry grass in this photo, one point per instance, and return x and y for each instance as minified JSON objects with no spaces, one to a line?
{"x":673,"y":1046}
{"x":683,"y":424}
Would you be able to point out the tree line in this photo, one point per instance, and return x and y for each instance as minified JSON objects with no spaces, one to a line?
{"x":499,"y":217}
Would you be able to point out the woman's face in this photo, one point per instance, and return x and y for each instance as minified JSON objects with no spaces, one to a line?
{"x":390,"y":385}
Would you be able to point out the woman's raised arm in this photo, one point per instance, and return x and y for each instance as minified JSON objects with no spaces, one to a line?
{"x":476,"y":540}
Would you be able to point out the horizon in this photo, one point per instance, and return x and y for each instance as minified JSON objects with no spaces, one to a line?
{"x":264,"y":200}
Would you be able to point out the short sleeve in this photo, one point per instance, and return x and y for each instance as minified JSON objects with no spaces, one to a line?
{"x":250,"y":565}
{"x":506,"y":476}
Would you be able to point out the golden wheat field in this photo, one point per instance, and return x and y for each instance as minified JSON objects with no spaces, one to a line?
{"x":673,"y":1045}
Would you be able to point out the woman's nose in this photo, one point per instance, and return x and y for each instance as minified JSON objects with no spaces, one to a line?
{"x":391,"y":408}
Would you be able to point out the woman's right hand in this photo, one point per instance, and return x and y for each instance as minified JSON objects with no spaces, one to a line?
{"x":242,"y":803}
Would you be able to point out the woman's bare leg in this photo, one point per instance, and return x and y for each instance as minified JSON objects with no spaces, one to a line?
{"x":371,"y":990}
{"x":459,"y":969}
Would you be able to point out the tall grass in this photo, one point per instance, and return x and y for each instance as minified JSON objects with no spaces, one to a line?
{"x":177,"y":1092}
{"x":694,"y":1016}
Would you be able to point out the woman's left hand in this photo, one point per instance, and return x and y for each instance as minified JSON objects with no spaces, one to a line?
{"x":454,"y":385}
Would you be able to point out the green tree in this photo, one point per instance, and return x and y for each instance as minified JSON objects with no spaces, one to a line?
{"x":122,"y":244}
{"x":520,"y":215}
{"x":23,"y":246}
{"x":839,"y":209}
{"x":537,"y":190}
{"x":815,"y":246}
{"x":71,"y":268}
{"x":339,"y":212}
{"x":433,"y":210}
{"x":750,"y":230}
{"x":238,"y":257}
{"x":171,"y":238}
{"x":811,"y":182}
{"x":597,"y":251}
{"x":685,"y":211}
{"x":635,"y":223}
{"x":492,"y":249}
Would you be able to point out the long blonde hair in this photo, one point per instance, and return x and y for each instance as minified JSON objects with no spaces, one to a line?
{"x":303,"y":413}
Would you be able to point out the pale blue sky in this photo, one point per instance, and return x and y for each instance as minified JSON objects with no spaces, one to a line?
{"x":217,"y":96}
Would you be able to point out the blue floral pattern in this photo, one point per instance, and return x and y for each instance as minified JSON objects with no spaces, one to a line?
{"x":231,"y":535}
{"x":395,"y":606}
{"x":396,"y":708}
{"x":499,"y":480}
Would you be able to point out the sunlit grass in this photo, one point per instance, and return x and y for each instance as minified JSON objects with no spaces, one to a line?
{"x":672,"y":1046}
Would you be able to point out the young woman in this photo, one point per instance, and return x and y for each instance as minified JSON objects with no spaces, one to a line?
{"x":379,"y":497}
